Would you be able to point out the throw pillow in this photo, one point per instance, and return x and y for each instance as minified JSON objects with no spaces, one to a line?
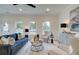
{"x":4,"y":40}
{"x":11,"y":40}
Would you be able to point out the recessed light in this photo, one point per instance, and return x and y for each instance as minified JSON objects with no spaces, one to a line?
{"x":20,"y":9}
{"x":33,"y":22}
{"x":48,"y":9}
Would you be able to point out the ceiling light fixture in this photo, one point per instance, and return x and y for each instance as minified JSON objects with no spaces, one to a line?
{"x":20,"y":9}
{"x":47,"y":9}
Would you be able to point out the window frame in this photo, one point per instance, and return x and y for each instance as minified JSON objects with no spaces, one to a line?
{"x":19,"y":30}
{"x":34,"y":30}
{"x":44,"y":29}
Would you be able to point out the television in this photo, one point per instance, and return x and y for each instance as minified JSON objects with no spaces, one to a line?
{"x":26,"y":30}
{"x":63,"y":25}
{"x":75,"y":27}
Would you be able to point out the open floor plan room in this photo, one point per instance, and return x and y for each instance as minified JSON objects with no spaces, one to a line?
{"x":39,"y":29}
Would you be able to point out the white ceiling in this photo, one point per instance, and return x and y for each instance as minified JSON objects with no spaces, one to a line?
{"x":40,"y":9}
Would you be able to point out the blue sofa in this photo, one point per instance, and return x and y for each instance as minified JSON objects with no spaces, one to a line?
{"x":13,"y":49}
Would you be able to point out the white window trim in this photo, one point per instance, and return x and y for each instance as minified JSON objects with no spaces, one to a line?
{"x":34,"y":30}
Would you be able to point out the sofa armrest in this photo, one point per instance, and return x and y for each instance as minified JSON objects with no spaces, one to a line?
{"x":5,"y":49}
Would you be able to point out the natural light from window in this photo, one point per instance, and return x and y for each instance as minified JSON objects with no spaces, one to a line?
{"x":32,"y":26}
{"x":19,"y":27}
{"x":46,"y":27}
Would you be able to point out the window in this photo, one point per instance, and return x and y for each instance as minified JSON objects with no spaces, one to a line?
{"x":19,"y":27}
{"x":5,"y":28}
{"x":32,"y":26}
{"x":46,"y":27}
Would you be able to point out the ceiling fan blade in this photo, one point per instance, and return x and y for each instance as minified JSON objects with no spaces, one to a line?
{"x":31,"y":5}
{"x":15,"y":4}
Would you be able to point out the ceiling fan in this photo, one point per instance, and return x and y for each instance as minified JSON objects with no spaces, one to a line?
{"x":31,"y":5}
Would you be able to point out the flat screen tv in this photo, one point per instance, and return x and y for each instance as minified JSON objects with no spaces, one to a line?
{"x":63,"y":25}
{"x":75,"y":27}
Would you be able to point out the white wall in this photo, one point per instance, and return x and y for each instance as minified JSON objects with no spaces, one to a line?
{"x":65,"y":16}
{"x":66,"y":12}
{"x":12,"y":19}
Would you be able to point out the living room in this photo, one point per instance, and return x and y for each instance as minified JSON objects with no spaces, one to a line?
{"x":30,"y":24}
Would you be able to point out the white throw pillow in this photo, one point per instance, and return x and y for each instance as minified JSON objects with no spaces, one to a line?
{"x":11,"y":40}
{"x":4,"y":40}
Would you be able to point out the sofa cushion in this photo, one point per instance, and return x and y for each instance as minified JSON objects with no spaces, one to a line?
{"x":15,"y":36}
{"x":19,"y":42}
{"x":11,"y":40}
